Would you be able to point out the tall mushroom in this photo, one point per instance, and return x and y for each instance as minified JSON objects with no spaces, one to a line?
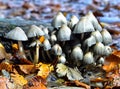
{"x":18,"y":34}
{"x":59,"y":20}
{"x":34,"y":32}
{"x":83,"y":25}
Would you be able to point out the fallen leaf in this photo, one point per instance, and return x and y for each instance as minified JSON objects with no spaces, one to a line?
{"x":27,"y":69}
{"x":44,"y":69}
{"x":8,"y":67}
{"x":15,"y":46}
{"x":41,"y":39}
{"x":3,"y":82}
{"x":18,"y":79}
{"x":36,"y":82}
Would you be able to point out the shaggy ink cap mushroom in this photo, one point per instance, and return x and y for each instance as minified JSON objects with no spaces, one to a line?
{"x":99,"y":48}
{"x":107,"y":38}
{"x":88,"y":58}
{"x":83,"y":25}
{"x":64,"y":33}
{"x":59,"y":20}
{"x":73,"y":21}
{"x":94,"y":21}
{"x":35,"y":31}
{"x":57,"y":50}
{"x":18,"y":34}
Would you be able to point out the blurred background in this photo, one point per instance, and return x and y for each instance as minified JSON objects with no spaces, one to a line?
{"x":44,"y":10}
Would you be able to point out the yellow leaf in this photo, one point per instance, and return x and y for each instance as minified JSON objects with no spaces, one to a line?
{"x":15,"y":46}
{"x":18,"y":79}
{"x":44,"y":70}
{"x":41,"y":39}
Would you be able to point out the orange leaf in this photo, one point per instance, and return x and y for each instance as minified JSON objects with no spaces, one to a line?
{"x":44,"y":70}
{"x":41,"y":39}
{"x":8,"y":67}
{"x":15,"y":46}
{"x":27,"y":69}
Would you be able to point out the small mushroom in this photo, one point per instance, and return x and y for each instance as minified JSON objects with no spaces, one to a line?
{"x":83,"y":25}
{"x":101,"y":60}
{"x":77,"y":55}
{"x":88,"y":58}
{"x":108,"y":50}
{"x":62,"y":59}
{"x":53,"y":39}
{"x":59,"y":20}
{"x":34,"y":32}
{"x":47,"y":47}
{"x":94,"y":21}
{"x":73,"y":21}
{"x":99,"y":48}
{"x":107,"y":38}
{"x":57,"y":50}
{"x":64,"y":33}
{"x":18,"y":34}
{"x":89,"y":42}
{"x":97,"y":36}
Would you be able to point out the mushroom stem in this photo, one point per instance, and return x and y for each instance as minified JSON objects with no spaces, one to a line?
{"x":21,"y":50}
{"x":36,"y":56}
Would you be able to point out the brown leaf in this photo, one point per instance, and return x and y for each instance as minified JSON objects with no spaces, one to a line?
{"x":3,"y":82}
{"x":36,"y":82}
{"x":27,"y":69}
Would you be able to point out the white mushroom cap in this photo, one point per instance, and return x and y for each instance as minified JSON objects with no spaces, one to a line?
{"x":62,"y":59}
{"x":64,"y":33}
{"x":73,"y":21}
{"x":97,"y":36}
{"x":88,"y":58}
{"x":59,"y":20}
{"x":35,"y":31}
{"x":46,"y":44}
{"x":101,"y":60}
{"x":108,"y":50}
{"x":89,"y":41}
{"x":99,"y":48}
{"x":107,"y":38}
{"x":84,"y":25}
{"x":94,"y":21}
{"x":46,"y":32}
{"x":57,"y":50}
{"x":77,"y":54}
{"x":17,"y":34}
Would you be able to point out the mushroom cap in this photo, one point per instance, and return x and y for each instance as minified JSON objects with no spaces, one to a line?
{"x":97,"y":36}
{"x":46,"y":45}
{"x":62,"y":59}
{"x":59,"y":20}
{"x":46,"y":32}
{"x":83,"y":25}
{"x":99,"y":48}
{"x":56,"y":49}
{"x":73,"y":21}
{"x":35,"y":31}
{"x":89,"y":41}
{"x":77,"y":53}
{"x":107,"y":38}
{"x":17,"y":34}
{"x":108,"y":50}
{"x":64,"y":33}
{"x":94,"y":21}
{"x":101,"y":60}
{"x":88,"y":58}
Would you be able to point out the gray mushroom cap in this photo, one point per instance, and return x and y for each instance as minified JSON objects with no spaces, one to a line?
{"x":62,"y":59}
{"x":107,"y":38}
{"x":46,"y":45}
{"x":59,"y":20}
{"x":99,"y":48}
{"x":57,"y":50}
{"x":89,"y":41}
{"x":64,"y":33}
{"x":73,"y":21}
{"x":77,"y":53}
{"x":108,"y":50}
{"x":17,"y":34}
{"x":83,"y":25}
{"x":46,"y":32}
{"x":97,"y":36}
{"x":35,"y":31}
{"x":94,"y":21}
{"x":88,"y":58}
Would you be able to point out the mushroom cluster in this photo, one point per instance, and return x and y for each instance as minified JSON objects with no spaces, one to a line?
{"x":77,"y":41}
